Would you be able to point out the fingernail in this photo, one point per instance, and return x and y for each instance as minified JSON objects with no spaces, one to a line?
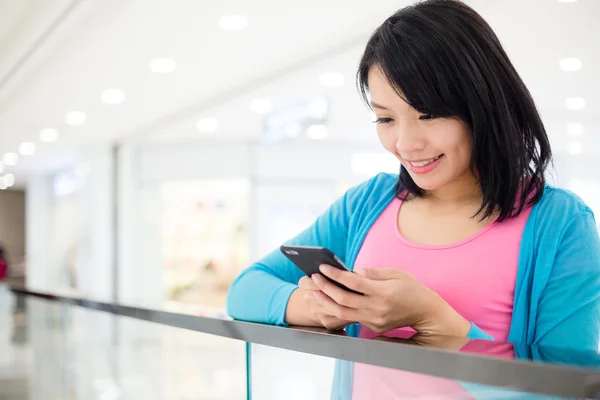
{"x":324,"y":268}
{"x":360,"y":272}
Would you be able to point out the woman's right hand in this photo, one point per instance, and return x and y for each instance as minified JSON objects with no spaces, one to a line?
{"x":316,"y":309}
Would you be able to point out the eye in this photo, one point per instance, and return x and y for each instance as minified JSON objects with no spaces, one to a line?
{"x":382,"y":121}
{"x":426,"y":117}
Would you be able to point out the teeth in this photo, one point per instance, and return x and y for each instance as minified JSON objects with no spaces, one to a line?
{"x":424,"y":163}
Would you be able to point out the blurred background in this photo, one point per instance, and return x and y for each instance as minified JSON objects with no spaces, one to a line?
{"x":151,"y":150}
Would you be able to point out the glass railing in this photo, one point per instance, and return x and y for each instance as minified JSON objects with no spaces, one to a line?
{"x":63,"y":347}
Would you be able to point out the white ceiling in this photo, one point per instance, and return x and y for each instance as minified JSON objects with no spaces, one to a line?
{"x":99,"y":44}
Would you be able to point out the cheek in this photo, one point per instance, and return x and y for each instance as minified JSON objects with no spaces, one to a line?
{"x":455,"y":141}
{"x":388,"y":141}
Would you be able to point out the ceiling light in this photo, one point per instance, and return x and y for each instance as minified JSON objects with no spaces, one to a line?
{"x":575,"y":148}
{"x":48,"y":135}
{"x":317,"y":132}
{"x":233,"y":22}
{"x":332,"y":79}
{"x":26,"y":148}
{"x":162,"y":65}
{"x":113,"y":96}
{"x":570,"y":64}
{"x":575,"y":129}
{"x":575,"y":103}
{"x":75,"y":118}
{"x":10,"y":159}
{"x":261,"y":106}
{"x":9,"y":180}
{"x":207,"y":125}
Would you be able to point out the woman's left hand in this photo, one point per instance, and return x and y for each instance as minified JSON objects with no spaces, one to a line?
{"x":392,"y":299}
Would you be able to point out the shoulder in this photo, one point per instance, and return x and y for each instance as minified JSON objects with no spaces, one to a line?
{"x":369,"y":195}
{"x":374,"y":188}
{"x":561,"y":204}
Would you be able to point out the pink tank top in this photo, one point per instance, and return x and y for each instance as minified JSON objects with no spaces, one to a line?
{"x":475,"y":276}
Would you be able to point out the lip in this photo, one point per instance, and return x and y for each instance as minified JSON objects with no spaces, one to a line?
{"x":426,"y":168}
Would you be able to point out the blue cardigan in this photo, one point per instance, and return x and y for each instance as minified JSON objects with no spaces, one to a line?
{"x":557,"y":290}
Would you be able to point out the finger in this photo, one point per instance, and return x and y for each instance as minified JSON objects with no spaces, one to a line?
{"x":378,"y":274}
{"x":306,"y":283}
{"x":339,"y":295}
{"x":333,"y":323}
{"x":332,"y":307}
{"x":348,"y":279}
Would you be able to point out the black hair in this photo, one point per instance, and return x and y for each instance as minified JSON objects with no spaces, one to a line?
{"x":444,"y":59}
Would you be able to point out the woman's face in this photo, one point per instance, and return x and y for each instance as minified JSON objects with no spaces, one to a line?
{"x":435,"y":151}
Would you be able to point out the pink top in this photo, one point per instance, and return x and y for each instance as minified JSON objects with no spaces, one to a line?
{"x":476,"y":276}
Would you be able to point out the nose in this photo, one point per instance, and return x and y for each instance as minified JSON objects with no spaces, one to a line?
{"x":409,"y":141}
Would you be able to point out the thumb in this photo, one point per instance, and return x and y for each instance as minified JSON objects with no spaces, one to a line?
{"x":377,"y":274}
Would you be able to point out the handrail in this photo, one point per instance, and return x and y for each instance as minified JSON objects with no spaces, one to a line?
{"x":545,"y":378}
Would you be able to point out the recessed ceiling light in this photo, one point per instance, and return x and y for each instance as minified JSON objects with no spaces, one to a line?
{"x":317,"y":132}
{"x":570,"y":64}
{"x":575,"y":148}
{"x":162,"y":65}
{"x":207,"y":125}
{"x":75,"y":118}
{"x":575,"y":129}
{"x":10,"y":159}
{"x":332,"y":79}
{"x":233,"y":22}
{"x":26,"y":148}
{"x":261,"y":106}
{"x":9,"y":180}
{"x":48,"y":135}
{"x":575,"y":103}
{"x":113,"y":96}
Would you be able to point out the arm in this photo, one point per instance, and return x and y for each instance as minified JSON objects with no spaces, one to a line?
{"x":264,"y":291}
{"x":569,"y":307}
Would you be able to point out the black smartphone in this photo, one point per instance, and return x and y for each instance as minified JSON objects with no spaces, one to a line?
{"x":309,"y":258}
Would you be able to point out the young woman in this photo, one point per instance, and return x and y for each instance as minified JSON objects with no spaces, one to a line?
{"x":468,"y":240}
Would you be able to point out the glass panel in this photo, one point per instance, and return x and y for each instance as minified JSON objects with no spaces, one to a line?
{"x":55,"y":351}
{"x":278,"y":373}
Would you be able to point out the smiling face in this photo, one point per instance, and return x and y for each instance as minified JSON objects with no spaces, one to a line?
{"x":435,"y":151}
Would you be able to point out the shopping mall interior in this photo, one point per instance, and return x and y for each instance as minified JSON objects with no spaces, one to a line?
{"x":152,"y":150}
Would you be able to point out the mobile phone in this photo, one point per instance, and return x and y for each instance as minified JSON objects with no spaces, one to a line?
{"x":309,"y":258}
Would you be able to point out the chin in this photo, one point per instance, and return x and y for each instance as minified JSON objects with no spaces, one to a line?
{"x":427,"y":184}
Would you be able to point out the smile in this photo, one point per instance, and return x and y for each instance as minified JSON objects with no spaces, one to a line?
{"x":419,"y":164}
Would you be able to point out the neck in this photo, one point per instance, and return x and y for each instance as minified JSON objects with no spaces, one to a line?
{"x":463,"y":191}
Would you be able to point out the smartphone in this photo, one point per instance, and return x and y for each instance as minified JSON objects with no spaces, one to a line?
{"x":309,"y":258}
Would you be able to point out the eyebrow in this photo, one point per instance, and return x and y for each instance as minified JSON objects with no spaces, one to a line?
{"x":375,"y":105}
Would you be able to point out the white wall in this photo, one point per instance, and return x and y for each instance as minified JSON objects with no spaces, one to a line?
{"x":87,"y":220}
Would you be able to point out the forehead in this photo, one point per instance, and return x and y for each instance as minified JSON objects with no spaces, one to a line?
{"x":383,"y":92}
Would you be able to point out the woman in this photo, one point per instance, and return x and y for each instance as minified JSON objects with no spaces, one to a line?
{"x":468,"y":240}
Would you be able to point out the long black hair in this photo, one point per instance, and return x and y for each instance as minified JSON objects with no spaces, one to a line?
{"x":444,"y":59}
